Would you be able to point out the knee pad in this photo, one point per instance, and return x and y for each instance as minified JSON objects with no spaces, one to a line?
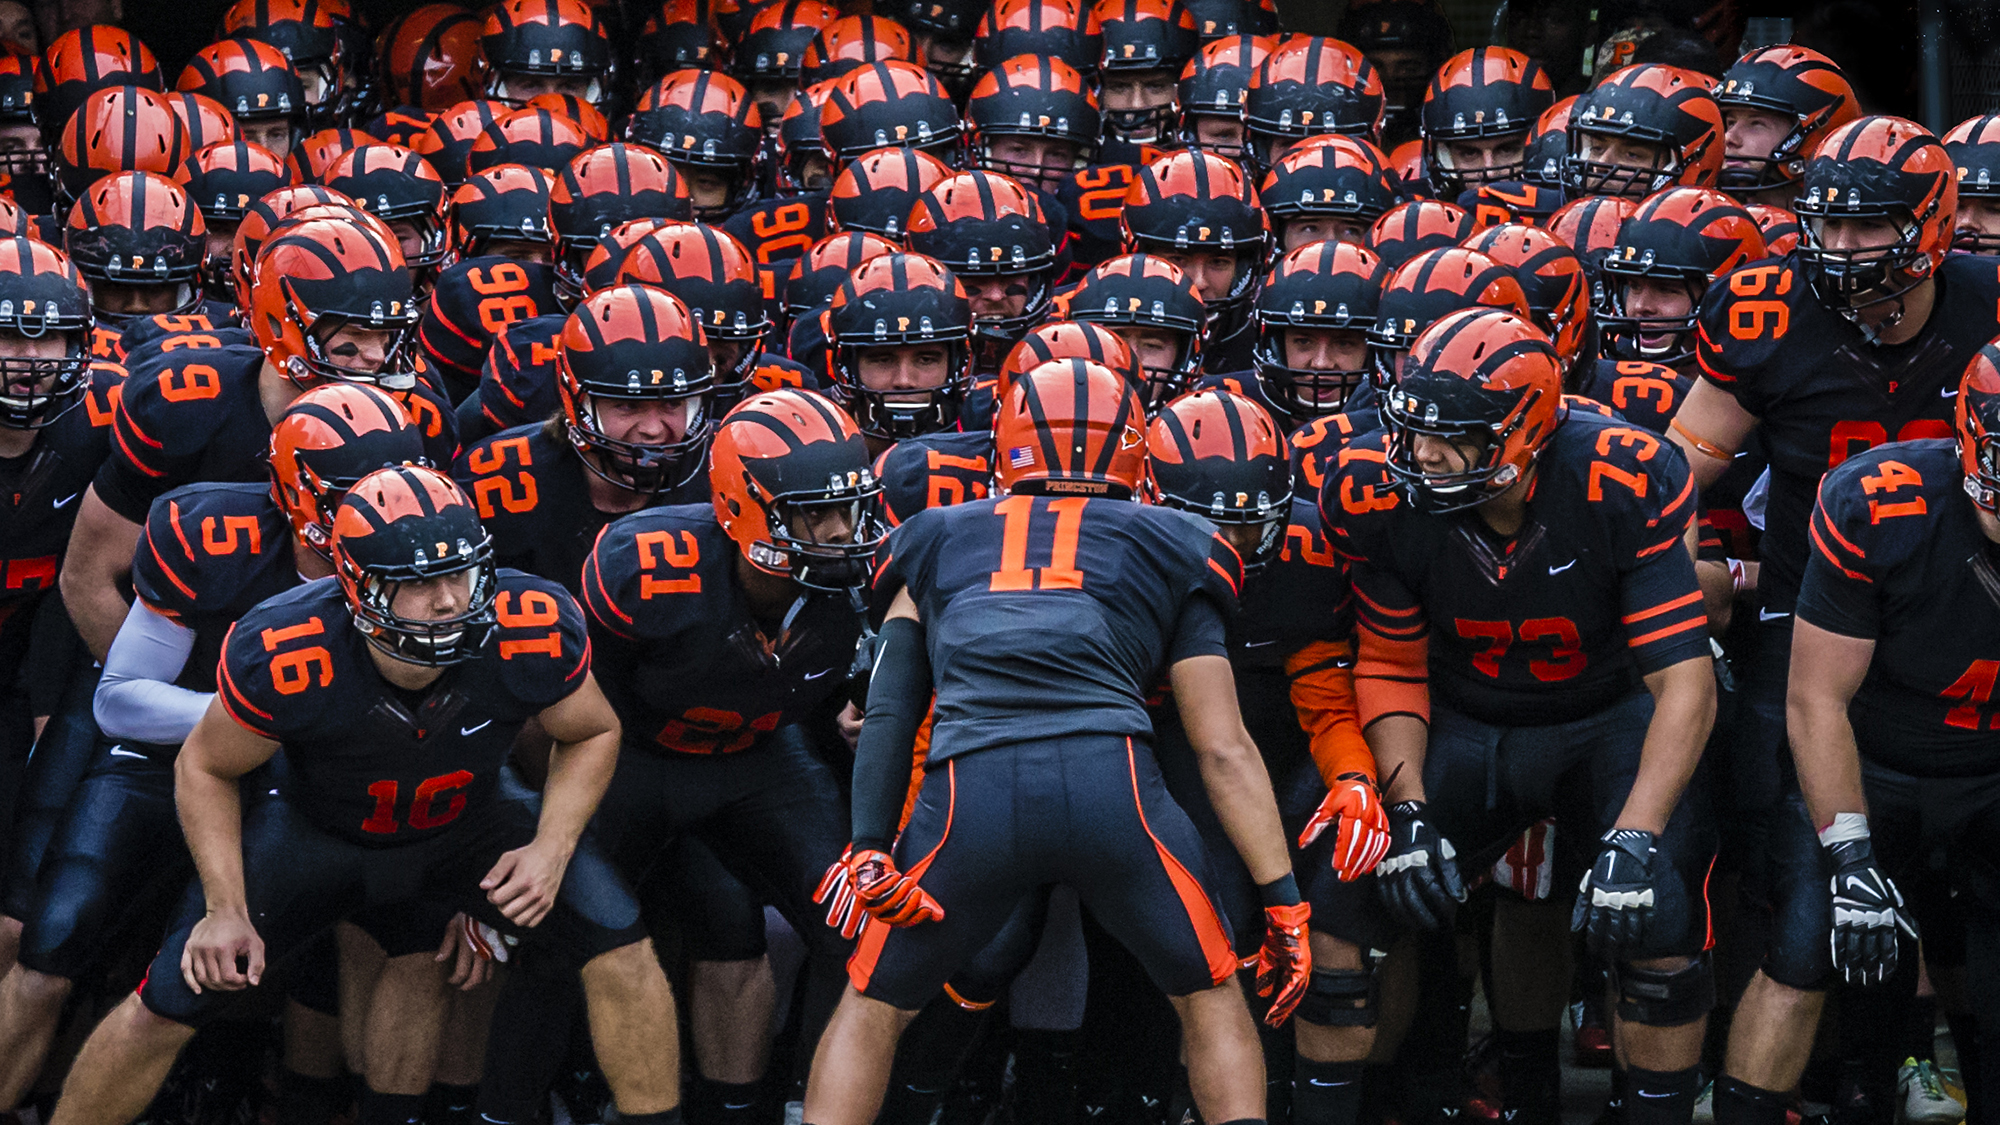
{"x":1339,"y":998}
{"x":1666,"y":998}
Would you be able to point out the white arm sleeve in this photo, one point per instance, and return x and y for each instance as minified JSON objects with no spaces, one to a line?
{"x":136,"y":699}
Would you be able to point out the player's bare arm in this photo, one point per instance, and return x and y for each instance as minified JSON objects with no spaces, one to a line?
{"x":524,"y":882}
{"x":215,"y":756}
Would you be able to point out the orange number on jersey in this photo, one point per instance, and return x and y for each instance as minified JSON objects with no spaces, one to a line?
{"x":1976,"y":688}
{"x":422,"y":411}
{"x":1103,"y":196}
{"x":1567,"y":658}
{"x":230,"y":540}
{"x":501,"y":277}
{"x":189,"y":340}
{"x":948,"y":490}
{"x":1627,"y":389}
{"x":1894,"y":476}
{"x":454,"y":783}
{"x":1753,"y":320}
{"x":490,"y":460}
{"x":537,"y":608}
{"x":1497,"y":635}
{"x":1851,"y":437}
{"x":382,"y":821}
{"x":1600,"y":471}
{"x":681,"y":557}
{"x":780,"y":231}
{"x":292,"y":672}
{"x":496,"y":313}
{"x":493,"y":457}
{"x":708,"y":730}
{"x":1753,"y":282}
{"x":195,"y":381}
{"x":1303,"y":538}
{"x":1061,"y":573}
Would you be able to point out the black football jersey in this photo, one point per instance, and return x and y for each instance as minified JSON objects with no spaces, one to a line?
{"x":1094,"y":199}
{"x":1898,"y":558}
{"x":146,"y":332}
{"x":474,"y":303}
{"x":1315,"y":445}
{"x":775,"y":231}
{"x":1822,"y":393}
{"x":681,"y":656}
{"x":1301,"y":597}
{"x":934,"y":471}
{"x":41,"y":490}
{"x":1646,"y":394}
{"x":533,"y":499}
{"x":517,"y":383}
{"x":1555,"y":623}
{"x":371,"y":763}
{"x":209,"y":553}
{"x":1051,"y":617}
{"x":190,"y":411}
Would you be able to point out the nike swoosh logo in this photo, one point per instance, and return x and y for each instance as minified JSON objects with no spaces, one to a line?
{"x":1259,"y":644}
{"x":120,"y":752}
{"x":1563,"y":567}
{"x":464,"y":731}
{"x":1947,"y":392}
{"x":1767,"y":615}
{"x":816,"y":675}
{"x":68,"y":498}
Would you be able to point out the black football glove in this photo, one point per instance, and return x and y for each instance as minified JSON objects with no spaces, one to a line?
{"x":1616,"y":896}
{"x":1867,"y":912}
{"x":1418,"y":878}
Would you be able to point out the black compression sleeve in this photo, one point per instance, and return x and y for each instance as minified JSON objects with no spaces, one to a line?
{"x":899,"y":696}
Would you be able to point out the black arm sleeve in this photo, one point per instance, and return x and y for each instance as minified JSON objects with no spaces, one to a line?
{"x":899,"y":696}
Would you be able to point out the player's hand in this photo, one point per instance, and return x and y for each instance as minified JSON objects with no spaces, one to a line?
{"x":849,"y":722}
{"x":218,"y":943}
{"x":887,"y":894}
{"x":1285,"y":963}
{"x":472,"y":946}
{"x":836,"y":893}
{"x":524,"y":882}
{"x":1360,"y":825}
{"x":1867,"y":913}
{"x":1418,"y":879}
{"x":1616,"y":897}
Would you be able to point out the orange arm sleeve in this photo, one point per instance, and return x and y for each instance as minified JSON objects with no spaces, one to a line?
{"x":1322,"y":675}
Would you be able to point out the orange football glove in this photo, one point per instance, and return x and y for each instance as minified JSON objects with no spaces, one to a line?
{"x":1285,"y":963}
{"x":836,"y":893}
{"x":1361,"y":826}
{"x":887,"y":894}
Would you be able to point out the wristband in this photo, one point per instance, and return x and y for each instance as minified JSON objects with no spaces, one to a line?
{"x":1844,"y":827}
{"x":1282,"y":891}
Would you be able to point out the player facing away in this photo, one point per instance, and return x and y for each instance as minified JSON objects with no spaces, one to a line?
{"x":1043,"y":617}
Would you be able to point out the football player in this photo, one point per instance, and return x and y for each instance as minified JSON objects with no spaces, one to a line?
{"x":1200,"y":212}
{"x":1875,"y":320}
{"x":710,"y":130}
{"x":334,"y":306}
{"x":1642,"y":129}
{"x":1312,"y":318}
{"x":1145,"y":46}
{"x":392,"y":786}
{"x":1974,"y":145}
{"x":255,"y":82}
{"x":398,"y":187}
{"x":497,"y":229}
{"x":1678,"y":244}
{"x":1211,"y":93}
{"x":712,"y":274}
{"x":1329,"y":186}
{"x":120,"y":838}
{"x":900,"y":339}
{"x":54,"y":433}
{"x":1215,"y":455}
{"x":1307,"y":86}
{"x":535,"y":47}
{"x":1778,"y":104}
{"x":720,"y":626}
{"x":1153,"y":585}
{"x":994,"y":236}
{"x":1886,"y":704}
{"x":636,"y":383}
{"x":1155,"y":309}
{"x":139,"y":241}
{"x":1573,"y":680}
{"x":1477,"y":114}
{"x":1418,"y":294}
{"x":1035,"y":119}
{"x":224,"y":180}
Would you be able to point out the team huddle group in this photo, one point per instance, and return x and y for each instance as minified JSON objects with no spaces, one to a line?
{"x":903,"y":564}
